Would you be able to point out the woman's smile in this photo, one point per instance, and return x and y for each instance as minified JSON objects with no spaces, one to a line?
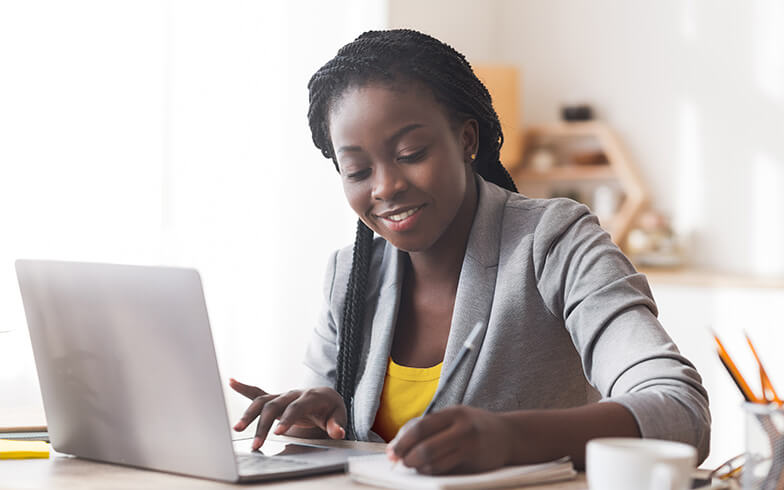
{"x":401,"y":219}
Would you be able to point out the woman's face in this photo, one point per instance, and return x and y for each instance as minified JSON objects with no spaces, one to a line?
{"x":405,"y":169}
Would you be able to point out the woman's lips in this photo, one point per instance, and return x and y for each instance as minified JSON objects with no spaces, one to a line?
{"x":404,"y":220}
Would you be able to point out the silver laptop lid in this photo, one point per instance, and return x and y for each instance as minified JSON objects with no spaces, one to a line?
{"x":127,"y":366}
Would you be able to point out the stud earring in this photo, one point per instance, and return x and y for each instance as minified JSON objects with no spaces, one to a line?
{"x":473,"y":156}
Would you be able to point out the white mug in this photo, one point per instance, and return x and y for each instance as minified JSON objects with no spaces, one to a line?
{"x":621,"y":463}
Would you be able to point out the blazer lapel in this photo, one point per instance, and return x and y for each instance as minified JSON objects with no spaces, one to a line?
{"x":475,"y":289}
{"x":473,"y":303}
{"x":379,"y":338}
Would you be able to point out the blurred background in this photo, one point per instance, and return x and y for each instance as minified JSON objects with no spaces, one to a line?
{"x":174,"y":132}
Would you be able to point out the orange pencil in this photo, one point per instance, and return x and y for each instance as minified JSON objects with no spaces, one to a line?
{"x":768,"y":393}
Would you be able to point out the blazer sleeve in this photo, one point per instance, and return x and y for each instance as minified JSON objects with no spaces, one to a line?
{"x":609,"y":312}
{"x":322,"y":351}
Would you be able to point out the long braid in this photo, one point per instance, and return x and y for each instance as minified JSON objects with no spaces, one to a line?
{"x":396,"y":56}
{"x":353,"y":312}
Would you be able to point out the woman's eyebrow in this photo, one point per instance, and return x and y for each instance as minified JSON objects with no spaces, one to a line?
{"x":392,"y":139}
{"x":405,"y":129}
{"x":344,"y":149}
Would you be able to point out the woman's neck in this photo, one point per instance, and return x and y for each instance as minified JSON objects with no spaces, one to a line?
{"x":443,"y":261}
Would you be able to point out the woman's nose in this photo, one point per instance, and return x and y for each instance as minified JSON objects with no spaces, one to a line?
{"x":388,"y":182}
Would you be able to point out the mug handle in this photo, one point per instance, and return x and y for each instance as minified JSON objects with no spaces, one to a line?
{"x":663,"y":477}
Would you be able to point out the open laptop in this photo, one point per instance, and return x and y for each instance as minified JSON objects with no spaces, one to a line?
{"x":129,"y":375}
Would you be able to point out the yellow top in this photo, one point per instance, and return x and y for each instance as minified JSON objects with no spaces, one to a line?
{"x":407,"y":392}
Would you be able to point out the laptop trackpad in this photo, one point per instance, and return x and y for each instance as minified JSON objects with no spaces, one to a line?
{"x":285,"y":448}
{"x":298,"y":452}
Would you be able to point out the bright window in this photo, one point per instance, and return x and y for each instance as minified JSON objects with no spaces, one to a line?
{"x":173,"y":132}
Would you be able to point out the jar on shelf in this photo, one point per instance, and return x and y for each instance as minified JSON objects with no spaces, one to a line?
{"x":542,"y":159}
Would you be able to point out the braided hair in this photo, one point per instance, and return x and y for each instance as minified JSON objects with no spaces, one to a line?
{"x":391,"y":57}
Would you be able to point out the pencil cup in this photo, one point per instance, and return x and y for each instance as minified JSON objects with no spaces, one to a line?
{"x":764,"y":467}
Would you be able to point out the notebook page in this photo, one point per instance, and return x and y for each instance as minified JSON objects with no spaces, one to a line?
{"x":379,"y":471}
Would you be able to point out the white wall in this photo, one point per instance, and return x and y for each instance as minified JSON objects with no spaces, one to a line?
{"x":470,"y":27}
{"x":695,"y":90}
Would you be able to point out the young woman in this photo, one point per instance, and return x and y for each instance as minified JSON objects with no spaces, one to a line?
{"x":570,"y":347}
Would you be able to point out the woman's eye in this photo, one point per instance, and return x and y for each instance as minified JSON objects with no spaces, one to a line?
{"x":413,"y":157}
{"x":359,"y":175}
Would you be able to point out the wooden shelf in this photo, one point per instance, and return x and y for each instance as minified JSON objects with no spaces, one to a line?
{"x":619,"y":171}
{"x":688,"y":276}
{"x":582,"y":128}
{"x":566,"y":173}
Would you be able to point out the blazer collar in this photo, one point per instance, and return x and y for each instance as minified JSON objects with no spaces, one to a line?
{"x":368,"y":390}
{"x":475,"y":289}
{"x":473,"y":303}
{"x":484,"y":240}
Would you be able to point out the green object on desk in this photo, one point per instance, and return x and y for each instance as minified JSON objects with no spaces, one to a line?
{"x":26,"y":436}
{"x":23,"y":449}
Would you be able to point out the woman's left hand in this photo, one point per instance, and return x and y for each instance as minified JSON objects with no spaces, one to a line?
{"x":456,"y":439}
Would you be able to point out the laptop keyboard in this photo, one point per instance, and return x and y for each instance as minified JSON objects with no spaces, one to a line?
{"x":249,"y":464}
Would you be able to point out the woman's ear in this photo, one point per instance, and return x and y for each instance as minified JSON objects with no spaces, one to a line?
{"x":469,"y":135}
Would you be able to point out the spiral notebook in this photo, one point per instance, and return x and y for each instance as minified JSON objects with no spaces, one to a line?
{"x":377,"y":470}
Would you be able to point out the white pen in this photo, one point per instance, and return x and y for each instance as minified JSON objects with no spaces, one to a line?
{"x":468,"y":345}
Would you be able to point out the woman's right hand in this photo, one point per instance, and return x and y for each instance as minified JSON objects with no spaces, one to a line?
{"x":316,"y":407}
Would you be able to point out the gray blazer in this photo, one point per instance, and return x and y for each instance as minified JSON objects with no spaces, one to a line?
{"x":568,"y":320}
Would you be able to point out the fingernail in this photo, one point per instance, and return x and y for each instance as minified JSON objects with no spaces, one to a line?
{"x":280,"y":429}
{"x":256,"y":443}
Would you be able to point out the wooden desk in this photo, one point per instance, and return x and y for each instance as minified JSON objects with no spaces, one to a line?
{"x":62,"y":472}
